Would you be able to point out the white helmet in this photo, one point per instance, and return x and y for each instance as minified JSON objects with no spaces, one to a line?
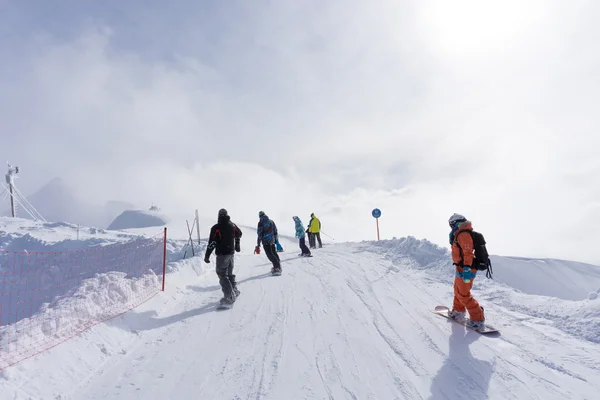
{"x":456,"y":218}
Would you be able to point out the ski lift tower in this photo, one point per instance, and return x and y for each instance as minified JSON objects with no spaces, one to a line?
{"x":16,"y":197}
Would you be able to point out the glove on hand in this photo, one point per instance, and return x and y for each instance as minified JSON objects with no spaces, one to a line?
{"x":237,"y":246}
{"x":467,"y":274}
{"x":257,"y":250}
{"x":207,"y":260}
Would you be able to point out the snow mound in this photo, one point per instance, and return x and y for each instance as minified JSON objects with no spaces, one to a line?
{"x":52,"y":252}
{"x":567,"y":280}
{"x":133,"y":219}
{"x":421,"y":253}
{"x":96,"y":300}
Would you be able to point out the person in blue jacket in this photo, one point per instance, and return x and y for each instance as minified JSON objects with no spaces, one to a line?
{"x":301,"y":236}
{"x":268,"y":236}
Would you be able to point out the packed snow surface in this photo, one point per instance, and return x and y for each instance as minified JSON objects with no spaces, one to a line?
{"x":353,"y":322}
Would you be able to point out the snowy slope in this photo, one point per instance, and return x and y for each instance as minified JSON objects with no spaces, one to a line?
{"x":353,"y":322}
{"x":566,"y":280}
{"x":48,"y":275}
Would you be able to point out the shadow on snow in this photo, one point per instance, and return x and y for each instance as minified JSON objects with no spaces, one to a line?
{"x":462,"y":376}
{"x":145,"y":321}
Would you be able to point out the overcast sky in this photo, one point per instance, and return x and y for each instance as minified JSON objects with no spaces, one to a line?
{"x":420,"y":108}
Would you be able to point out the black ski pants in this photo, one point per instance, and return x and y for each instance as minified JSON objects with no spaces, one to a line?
{"x":303,"y":247}
{"x":318,"y":236}
{"x":225,"y":274}
{"x":272,"y":255}
{"x":311,"y":239}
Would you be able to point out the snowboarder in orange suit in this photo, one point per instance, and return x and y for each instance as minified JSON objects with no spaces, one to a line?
{"x":462,"y":258}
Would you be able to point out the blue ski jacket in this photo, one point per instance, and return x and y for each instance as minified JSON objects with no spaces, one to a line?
{"x":266,"y":231}
{"x":299,"y":229}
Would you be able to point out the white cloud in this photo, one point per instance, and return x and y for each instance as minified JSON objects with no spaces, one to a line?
{"x":421,"y":110}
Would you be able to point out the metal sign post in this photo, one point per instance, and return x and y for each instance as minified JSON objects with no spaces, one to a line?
{"x":376,"y":213}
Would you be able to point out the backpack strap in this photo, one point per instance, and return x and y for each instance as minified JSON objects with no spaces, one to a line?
{"x":461,"y":263}
{"x":489,"y":271}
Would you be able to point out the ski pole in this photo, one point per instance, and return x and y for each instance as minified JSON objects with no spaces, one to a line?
{"x":327,"y":235}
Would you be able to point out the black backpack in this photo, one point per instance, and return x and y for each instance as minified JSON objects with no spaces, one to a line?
{"x":482,"y":260}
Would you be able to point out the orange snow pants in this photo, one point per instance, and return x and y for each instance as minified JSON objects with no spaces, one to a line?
{"x":463,"y":299}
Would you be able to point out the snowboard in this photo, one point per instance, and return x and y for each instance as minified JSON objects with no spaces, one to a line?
{"x":224,"y":306}
{"x":302,"y":255}
{"x":276,"y":273}
{"x":443,"y":311}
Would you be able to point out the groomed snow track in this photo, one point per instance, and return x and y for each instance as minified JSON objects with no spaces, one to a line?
{"x":345,"y":324}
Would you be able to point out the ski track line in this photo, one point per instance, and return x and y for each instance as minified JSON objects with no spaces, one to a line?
{"x":411,"y":361}
{"x":407,"y":360}
{"x":540,"y":337}
{"x":276,"y":332}
{"x":325,"y":385}
{"x":338,"y":370}
{"x":327,"y":355}
{"x":327,"y":290}
{"x":251,"y":332}
{"x":406,"y":355}
{"x":355,"y":373}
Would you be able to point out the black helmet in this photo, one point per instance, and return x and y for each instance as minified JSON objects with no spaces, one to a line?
{"x":222,"y":212}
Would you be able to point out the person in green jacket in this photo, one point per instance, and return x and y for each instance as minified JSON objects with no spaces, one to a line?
{"x":314,"y":231}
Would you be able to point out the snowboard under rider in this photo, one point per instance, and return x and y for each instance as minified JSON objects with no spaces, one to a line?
{"x":462,"y":257}
{"x":267,"y":235}
{"x":224,"y":238}
{"x":300,"y":234}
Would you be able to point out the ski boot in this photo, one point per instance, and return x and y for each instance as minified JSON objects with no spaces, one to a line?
{"x":227,"y":302}
{"x":457,"y":315}
{"x":477,"y":325}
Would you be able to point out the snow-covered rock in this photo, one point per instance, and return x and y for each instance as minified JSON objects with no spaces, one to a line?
{"x":132,"y":219}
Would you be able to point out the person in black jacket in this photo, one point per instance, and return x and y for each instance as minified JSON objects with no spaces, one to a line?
{"x":267,"y":234}
{"x":224,"y":238}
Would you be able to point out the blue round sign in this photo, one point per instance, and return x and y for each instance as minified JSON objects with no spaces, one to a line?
{"x":376,"y":213}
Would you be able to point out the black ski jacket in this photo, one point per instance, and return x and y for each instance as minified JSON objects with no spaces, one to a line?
{"x":224,"y":237}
